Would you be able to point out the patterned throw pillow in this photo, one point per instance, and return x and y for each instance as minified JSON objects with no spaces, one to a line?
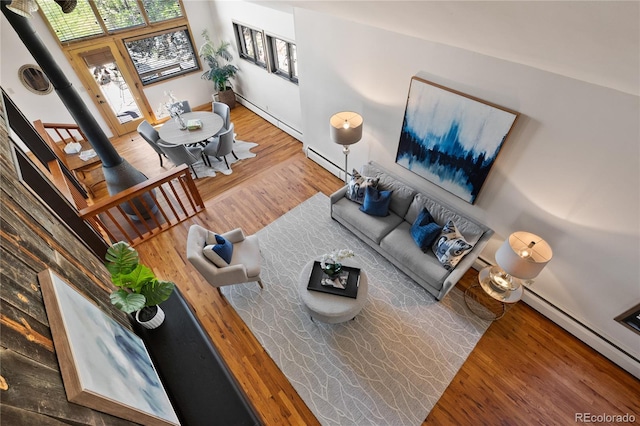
{"x":425,"y":230}
{"x":219,"y":253}
{"x":357,"y":185}
{"x":451,"y":246}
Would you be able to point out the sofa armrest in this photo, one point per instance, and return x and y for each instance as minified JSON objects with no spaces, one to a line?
{"x":464,"y":265}
{"x":338,"y":195}
{"x":234,"y":236}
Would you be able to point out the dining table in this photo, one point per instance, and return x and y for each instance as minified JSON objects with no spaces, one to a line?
{"x":171,"y":132}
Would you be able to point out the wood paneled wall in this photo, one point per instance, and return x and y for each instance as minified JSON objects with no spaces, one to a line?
{"x":34,"y":239}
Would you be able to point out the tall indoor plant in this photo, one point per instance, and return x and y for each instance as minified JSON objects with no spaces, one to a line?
{"x":139,"y":290}
{"x":220,"y":70}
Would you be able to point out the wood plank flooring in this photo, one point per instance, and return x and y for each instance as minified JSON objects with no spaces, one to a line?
{"x":524,"y":370}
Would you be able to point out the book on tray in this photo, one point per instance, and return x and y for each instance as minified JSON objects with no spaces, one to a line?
{"x":194,"y":124}
{"x":344,"y":284}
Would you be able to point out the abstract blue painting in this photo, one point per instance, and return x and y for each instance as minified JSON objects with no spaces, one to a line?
{"x":104,"y":365}
{"x":451,"y":139}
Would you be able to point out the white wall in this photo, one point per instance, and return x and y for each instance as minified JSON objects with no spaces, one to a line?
{"x":13,"y":54}
{"x":272,"y":94}
{"x":569,"y":171}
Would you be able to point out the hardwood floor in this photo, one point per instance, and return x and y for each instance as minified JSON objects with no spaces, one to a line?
{"x":524,"y":370}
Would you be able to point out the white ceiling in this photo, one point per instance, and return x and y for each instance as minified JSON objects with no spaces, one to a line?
{"x":597,"y":42}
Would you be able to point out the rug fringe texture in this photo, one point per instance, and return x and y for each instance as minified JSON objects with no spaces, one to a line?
{"x":388,"y":366}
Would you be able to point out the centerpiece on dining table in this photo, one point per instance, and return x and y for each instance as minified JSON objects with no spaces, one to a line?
{"x":174,"y":108}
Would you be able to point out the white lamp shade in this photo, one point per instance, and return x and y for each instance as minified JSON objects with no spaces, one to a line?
{"x":23,"y":7}
{"x":346,"y":127}
{"x":523,"y":255}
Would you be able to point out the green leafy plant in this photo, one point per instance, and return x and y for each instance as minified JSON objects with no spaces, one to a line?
{"x":217,"y":58}
{"x":137,"y":285}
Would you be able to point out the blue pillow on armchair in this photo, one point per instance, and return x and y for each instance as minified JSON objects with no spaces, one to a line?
{"x":425,"y":230}
{"x":376,"y":202}
{"x":219,"y":253}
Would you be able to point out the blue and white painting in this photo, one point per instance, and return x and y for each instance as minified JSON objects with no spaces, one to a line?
{"x":110,"y":360}
{"x":450,"y":139}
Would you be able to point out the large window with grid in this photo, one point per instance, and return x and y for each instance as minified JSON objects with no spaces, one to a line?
{"x":160,"y":56}
{"x":251,"y":44}
{"x":154,"y":32}
{"x":283,"y":59}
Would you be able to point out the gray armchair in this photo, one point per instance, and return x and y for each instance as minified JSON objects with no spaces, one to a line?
{"x":245,"y":262}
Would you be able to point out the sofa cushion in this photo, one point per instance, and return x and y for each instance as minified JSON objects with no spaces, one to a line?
{"x":451,"y":246}
{"x":425,"y":230}
{"x":373,"y":227}
{"x":441,"y":214}
{"x":402,"y":194}
{"x":357,"y":185}
{"x":399,"y":244}
{"x":376,"y":202}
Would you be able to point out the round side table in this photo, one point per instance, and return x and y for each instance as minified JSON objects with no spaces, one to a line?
{"x":331,"y":308}
{"x":486,"y":301}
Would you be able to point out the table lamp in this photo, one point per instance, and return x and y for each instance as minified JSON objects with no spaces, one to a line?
{"x":346,"y":129}
{"x":522,"y":256}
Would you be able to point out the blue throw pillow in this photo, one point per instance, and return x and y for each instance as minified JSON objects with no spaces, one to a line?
{"x":425,"y":230}
{"x":223,"y":248}
{"x":376,"y":202}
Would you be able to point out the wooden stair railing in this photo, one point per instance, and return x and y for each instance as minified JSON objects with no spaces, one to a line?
{"x":66,"y":132}
{"x":153,"y":206}
{"x":88,"y":172}
{"x":70,"y":192}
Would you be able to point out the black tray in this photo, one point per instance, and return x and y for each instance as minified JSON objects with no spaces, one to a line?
{"x":350,"y":290}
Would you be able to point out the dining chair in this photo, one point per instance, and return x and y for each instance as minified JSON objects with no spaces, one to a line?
{"x":151,"y":136}
{"x":182,"y":104}
{"x":179,"y":154}
{"x":223,"y":111}
{"x":221,"y":146}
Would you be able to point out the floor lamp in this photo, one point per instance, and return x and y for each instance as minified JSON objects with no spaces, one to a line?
{"x":346,"y":129}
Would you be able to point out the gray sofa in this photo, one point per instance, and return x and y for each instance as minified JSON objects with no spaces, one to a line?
{"x":390,"y":235}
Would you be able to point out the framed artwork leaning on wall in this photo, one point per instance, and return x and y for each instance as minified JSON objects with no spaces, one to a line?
{"x":104,"y":365}
{"x":451,"y":139}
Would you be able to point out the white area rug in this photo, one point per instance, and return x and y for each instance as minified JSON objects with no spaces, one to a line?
{"x":242,"y":150}
{"x":388,"y":366}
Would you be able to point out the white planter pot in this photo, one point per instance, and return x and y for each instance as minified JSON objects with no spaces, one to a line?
{"x":153,"y":322}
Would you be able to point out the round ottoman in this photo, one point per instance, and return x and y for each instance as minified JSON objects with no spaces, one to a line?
{"x":331,"y":308}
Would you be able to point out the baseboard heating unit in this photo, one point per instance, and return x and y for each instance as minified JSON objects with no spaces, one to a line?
{"x":323,"y":161}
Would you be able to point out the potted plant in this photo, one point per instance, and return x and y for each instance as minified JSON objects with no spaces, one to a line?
{"x":220,"y":70}
{"x":139,"y":290}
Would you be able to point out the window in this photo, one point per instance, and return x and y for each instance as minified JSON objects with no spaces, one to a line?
{"x":101,"y":17}
{"x":165,"y":53}
{"x":162,"y":55}
{"x":251,"y":44}
{"x":283,"y":59}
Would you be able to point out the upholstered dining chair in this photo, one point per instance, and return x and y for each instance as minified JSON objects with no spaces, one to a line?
{"x":223,"y":111}
{"x":151,"y":136}
{"x":179,"y":154}
{"x":245,"y":261}
{"x":221,"y":146}
{"x":182,"y":104}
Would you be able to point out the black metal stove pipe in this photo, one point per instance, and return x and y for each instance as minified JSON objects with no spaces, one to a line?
{"x":77,"y":108}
